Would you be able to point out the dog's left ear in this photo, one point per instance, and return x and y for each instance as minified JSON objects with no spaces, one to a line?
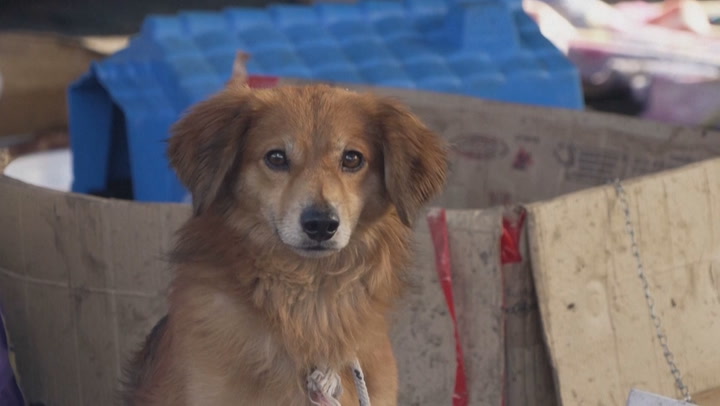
{"x":415,"y":160}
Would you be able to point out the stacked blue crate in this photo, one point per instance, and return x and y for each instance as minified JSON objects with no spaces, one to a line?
{"x":483,"y":48}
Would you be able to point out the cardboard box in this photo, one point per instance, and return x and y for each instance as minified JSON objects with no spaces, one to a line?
{"x":82,"y":279}
{"x":36,"y":70}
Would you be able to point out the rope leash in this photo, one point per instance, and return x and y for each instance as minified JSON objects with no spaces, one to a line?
{"x":360,"y":383}
{"x":324,"y":386}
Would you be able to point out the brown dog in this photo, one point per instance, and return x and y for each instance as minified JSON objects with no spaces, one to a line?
{"x":303,"y":203}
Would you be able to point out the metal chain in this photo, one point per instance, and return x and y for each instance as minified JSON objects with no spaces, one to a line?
{"x":659,"y":331}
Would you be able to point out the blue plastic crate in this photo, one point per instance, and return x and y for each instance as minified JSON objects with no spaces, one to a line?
{"x":122,"y":109}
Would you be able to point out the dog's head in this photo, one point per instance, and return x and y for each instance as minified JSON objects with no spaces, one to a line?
{"x":306,"y":165}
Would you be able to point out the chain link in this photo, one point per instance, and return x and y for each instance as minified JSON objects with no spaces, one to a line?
{"x":659,"y":330}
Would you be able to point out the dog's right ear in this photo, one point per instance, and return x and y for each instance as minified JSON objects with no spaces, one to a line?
{"x":206,"y":145}
{"x":415,"y":159}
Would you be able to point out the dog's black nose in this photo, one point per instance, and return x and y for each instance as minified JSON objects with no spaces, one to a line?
{"x":319,"y":225}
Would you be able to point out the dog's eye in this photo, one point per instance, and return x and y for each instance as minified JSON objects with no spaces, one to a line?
{"x":277,"y":160}
{"x":352,"y":161}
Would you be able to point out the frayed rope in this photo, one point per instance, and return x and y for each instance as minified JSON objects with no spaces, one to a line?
{"x":325,"y":386}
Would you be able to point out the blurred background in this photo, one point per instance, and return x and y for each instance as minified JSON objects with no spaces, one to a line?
{"x":655,"y":60}
{"x":610,"y":84}
{"x":89,"y":17}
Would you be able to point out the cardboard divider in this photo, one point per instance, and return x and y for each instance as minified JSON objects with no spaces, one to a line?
{"x":593,"y":303}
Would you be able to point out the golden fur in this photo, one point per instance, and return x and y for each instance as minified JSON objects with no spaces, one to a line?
{"x":250,"y":310}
